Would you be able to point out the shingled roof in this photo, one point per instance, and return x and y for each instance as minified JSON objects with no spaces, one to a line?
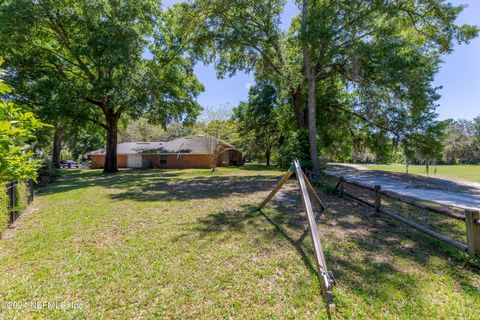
{"x":185,"y":145}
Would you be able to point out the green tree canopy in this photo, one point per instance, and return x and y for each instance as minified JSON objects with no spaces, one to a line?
{"x":379,"y":56}
{"x":257,"y":120}
{"x":107,"y":58}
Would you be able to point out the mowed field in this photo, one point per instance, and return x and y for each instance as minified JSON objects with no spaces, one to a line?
{"x":462,"y":172}
{"x":186,"y":244}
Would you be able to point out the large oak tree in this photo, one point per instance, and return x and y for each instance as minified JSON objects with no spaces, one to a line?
{"x":384,"y":54}
{"x":387,"y":51}
{"x":109,"y":58}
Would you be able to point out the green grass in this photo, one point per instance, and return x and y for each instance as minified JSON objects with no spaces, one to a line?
{"x":464,"y":172}
{"x":186,"y":244}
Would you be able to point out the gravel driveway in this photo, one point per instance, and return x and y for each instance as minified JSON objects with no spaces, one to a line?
{"x":443,"y":191}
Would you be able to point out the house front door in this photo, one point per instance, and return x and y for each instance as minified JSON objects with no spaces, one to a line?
{"x":134,"y":161}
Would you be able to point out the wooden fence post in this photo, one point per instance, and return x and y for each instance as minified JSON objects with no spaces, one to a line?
{"x":378,"y":198}
{"x":472,"y":219}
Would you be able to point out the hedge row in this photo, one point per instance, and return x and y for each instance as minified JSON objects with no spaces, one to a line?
{"x":22,"y":195}
{"x":4,"y":214}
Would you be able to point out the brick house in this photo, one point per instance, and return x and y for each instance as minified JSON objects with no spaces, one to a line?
{"x":189,"y":152}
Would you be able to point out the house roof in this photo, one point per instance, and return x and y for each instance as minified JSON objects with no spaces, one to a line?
{"x":199,"y":144}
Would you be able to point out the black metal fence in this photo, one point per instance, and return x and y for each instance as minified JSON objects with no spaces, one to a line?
{"x":13,"y":196}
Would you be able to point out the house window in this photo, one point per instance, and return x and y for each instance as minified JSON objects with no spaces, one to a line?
{"x":163,"y":159}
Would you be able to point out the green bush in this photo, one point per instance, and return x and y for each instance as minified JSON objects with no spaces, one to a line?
{"x":22,"y":194}
{"x":295,"y":146}
{"x":47,"y":173}
{"x":4,"y":215}
{"x":328,"y":186}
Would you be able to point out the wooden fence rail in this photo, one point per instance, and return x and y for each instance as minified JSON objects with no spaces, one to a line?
{"x":471,"y":217}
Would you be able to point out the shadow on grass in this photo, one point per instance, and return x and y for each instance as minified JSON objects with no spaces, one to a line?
{"x":257,"y":167}
{"x":450,"y":227}
{"x":359,"y":252}
{"x":370,"y":257}
{"x":163,"y":185}
{"x":236,"y":221}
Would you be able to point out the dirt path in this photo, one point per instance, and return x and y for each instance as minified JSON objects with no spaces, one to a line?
{"x":425,"y":188}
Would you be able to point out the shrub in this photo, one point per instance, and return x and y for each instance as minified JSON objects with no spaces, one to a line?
{"x":17,"y":129}
{"x":22,"y":194}
{"x":295,"y":146}
{"x":4,"y":214}
{"x":46,"y":174}
{"x":328,"y":186}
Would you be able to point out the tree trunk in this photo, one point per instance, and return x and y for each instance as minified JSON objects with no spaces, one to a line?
{"x":267,"y":156}
{"x":57,"y":146}
{"x":298,"y":106}
{"x":111,"y":153}
{"x":312,"y":104}
{"x":312,"y":123}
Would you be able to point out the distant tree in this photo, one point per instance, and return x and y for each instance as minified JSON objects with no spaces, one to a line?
{"x":257,"y":120}
{"x":82,"y":139}
{"x":460,"y":142}
{"x":141,"y":130}
{"x":177,"y":130}
{"x":218,"y":114}
{"x":381,"y":145}
{"x":225,"y":130}
{"x":429,"y":144}
{"x":476,"y":123}
{"x":213,"y":147}
{"x":408,"y":146}
{"x":95,"y":51}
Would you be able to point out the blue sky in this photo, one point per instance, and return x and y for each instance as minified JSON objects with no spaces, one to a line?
{"x":458,"y":75}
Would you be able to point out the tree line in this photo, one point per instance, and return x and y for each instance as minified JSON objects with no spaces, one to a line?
{"x":345,"y":75}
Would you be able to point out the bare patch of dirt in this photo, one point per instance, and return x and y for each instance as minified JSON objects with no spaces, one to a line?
{"x":17,"y":224}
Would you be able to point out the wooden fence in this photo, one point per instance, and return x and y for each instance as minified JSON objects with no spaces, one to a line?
{"x":12,"y":199}
{"x":471,"y":217}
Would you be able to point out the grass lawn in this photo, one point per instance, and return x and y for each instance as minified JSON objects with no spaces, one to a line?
{"x":186,"y":244}
{"x":461,"y":171}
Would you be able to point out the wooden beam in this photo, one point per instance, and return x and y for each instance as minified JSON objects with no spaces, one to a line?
{"x":326,"y":280}
{"x":443,"y":210}
{"x":325,"y":277}
{"x":426,"y":230}
{"x":280,"y":184}
{"x":313,"y":192}
{"x":351,"y":196}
